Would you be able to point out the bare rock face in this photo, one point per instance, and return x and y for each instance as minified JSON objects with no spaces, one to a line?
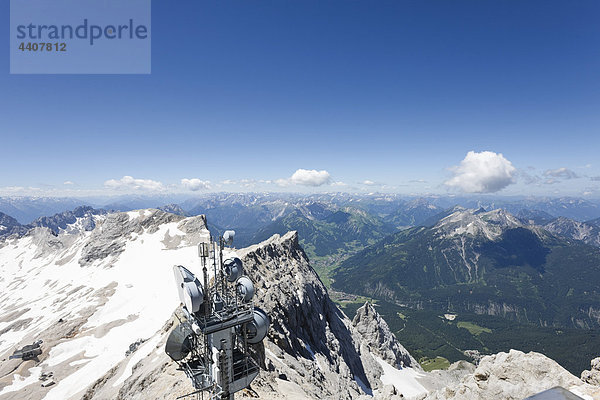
{"x":61,"y":221}
{"x":306,"y":329}
{"x":110,"y":236}
{"x":440,"y":378}
{"x":592,"y":376}
{"x":66,"y":221}
{"x":584,"y":231}
{"x":10,"y":226}
{"x":513,"y":375}
{"x":381,"y":341}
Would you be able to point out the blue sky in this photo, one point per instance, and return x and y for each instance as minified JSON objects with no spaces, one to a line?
{"x":381,"y":95}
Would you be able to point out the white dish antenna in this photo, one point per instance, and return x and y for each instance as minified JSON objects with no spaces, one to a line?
{"x":245,"y":288}
{"x":189,"y":287}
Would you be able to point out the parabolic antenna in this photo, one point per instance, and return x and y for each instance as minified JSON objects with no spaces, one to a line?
{"x":228,"y":237}
{"x":178,"y":343}
{"x":245,"y":288}
{"x":189,"y":288}
{"x":257,"y":328}
{"x":233,"y":268}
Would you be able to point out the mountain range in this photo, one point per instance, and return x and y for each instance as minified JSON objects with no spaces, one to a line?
{"x":102,"y":300}
{"x":55,"y":223}
{"x":587,"y":232}
{"x":485,"y":262}
{"x":405,"y":210}
{"x":329,"y":232}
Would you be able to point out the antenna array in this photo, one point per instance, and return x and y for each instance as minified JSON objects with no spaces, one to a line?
{"x":217,"y":324}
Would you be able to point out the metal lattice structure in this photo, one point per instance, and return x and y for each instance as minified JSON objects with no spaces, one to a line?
{"x":217,"y":325}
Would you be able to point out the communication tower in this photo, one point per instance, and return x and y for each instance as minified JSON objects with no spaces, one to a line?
{"x":211,"y":341}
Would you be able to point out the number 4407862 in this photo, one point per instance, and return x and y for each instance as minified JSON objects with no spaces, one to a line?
{"x":42,"y":46}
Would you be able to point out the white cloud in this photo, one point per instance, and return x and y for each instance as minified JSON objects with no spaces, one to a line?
{"x":248,"y":183}
{"x":128,"y":182}
{"x":195,"y":184}
{"x":484,"y":172}
{"x":562,"y":173}
{"x":529,"y":179}
{"x":49,"y":191}
{"x":310,"y":177}
{"x":19,"y":191}
{"x":368,"y":183}
{"x":283,"y":182}
{"x":15,"y":188}
{"x":68,"y":183}
{"x":339,"y":184}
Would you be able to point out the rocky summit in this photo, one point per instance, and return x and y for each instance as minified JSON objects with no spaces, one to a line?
{"x":103,"y":302}
{"x":514,"y":376}
{"x":312,"y":350}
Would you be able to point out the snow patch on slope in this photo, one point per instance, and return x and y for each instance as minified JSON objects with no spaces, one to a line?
{"x":116,"y":298}
{"x":405,"y":380}
{"x":20,"y":382}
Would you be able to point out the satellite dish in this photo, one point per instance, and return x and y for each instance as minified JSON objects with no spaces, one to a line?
{"x":233,"y":268}
{"x":178,"y":343}
{"x":228,"y":237}
{"x":189,"y":288}
{"x":257,"y":328}
{"x":245,"y":288}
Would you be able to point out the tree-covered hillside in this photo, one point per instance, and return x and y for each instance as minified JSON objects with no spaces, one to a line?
{"x":486,"y":265}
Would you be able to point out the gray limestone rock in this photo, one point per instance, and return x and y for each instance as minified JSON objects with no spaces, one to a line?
{"x":61,"y":221}
{"x":512,"y":376}
{"x":111,"y":235}
{"x":380,"y":339}
{"x":10,"y":226}
{"x":441,"y":378}
{"x":592,"y":376}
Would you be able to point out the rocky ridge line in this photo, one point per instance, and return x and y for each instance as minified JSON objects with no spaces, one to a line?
{"x":312,"y":349}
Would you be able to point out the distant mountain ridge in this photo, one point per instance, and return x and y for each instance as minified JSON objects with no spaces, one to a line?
{"x":57,"y":222}
{"x":254,"y":215}
{"x":335,"y":231}
{"x":483,"y":262}
{"x":534,"y":217}
{"x":587,"y":232}
{"x":174,"y":209}
{"x":27,"y":209}
{"x":9,"y":225}
{"x":413,"y":213}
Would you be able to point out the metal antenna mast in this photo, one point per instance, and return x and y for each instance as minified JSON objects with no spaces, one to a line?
{"x":211,"y":342}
